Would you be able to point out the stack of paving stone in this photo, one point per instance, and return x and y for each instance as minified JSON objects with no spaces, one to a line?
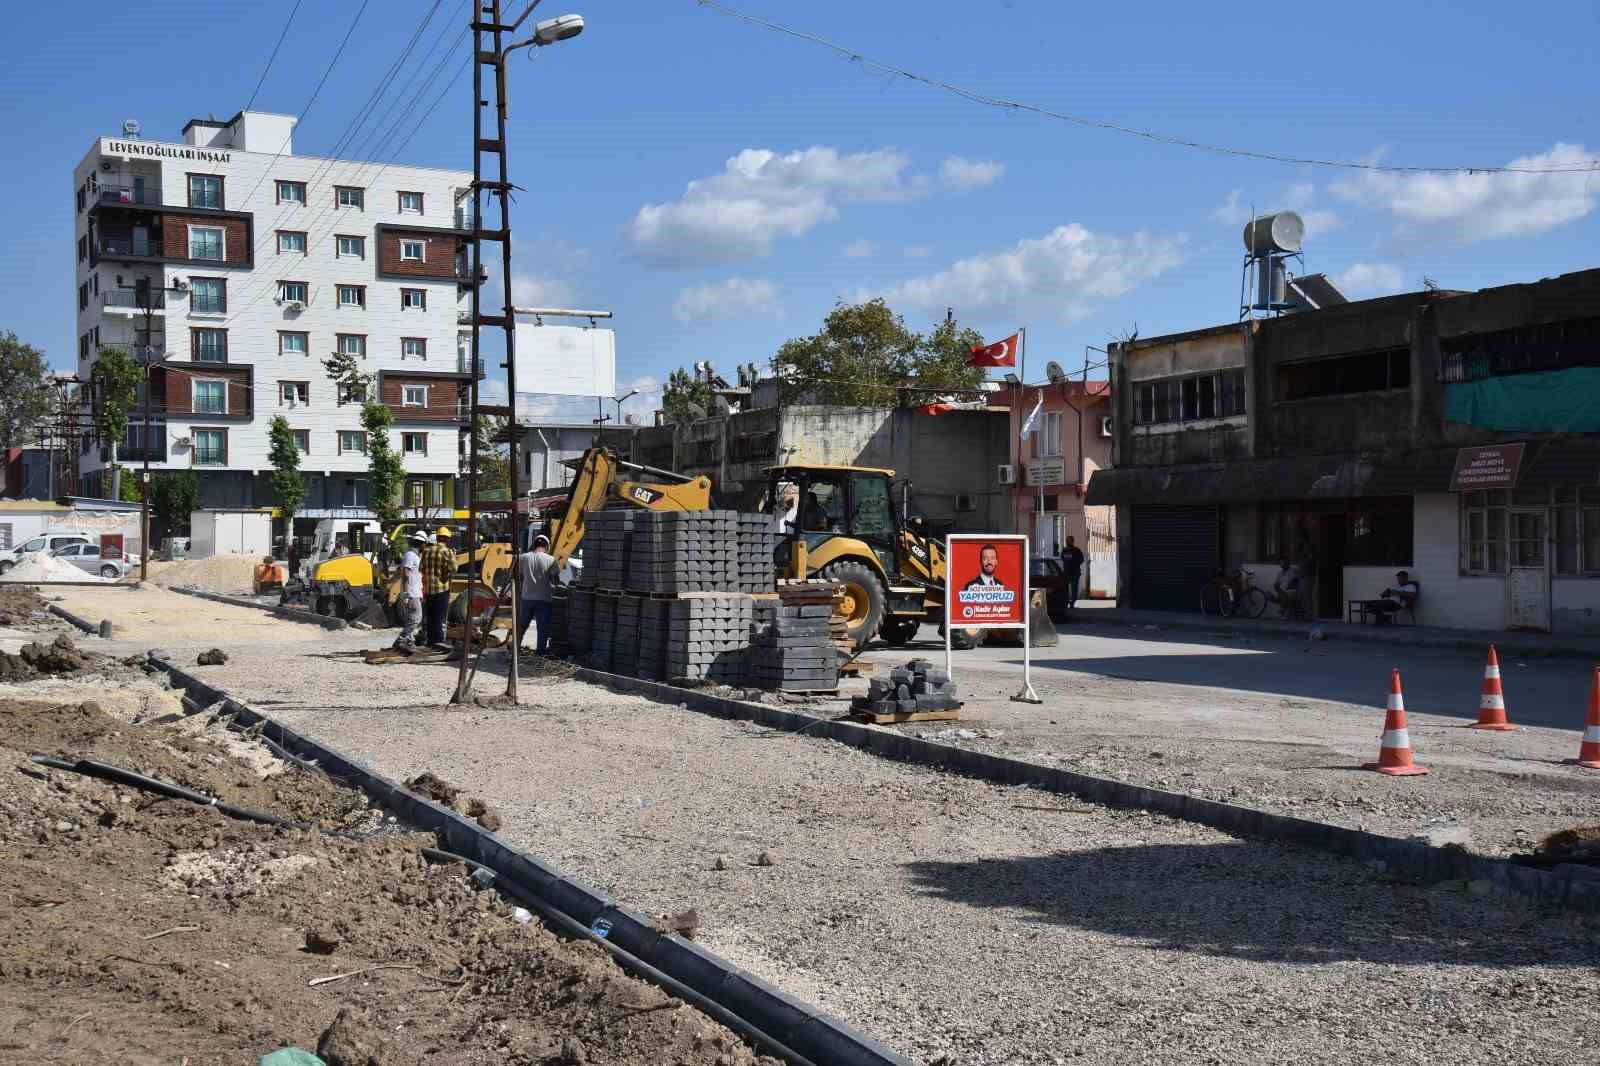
{"x":607,"y":547}
{"x":579,"y":623}
{"x":754,"y":564}
{"x":655,"y":621}
{"x":916,"y":687}
{"x":602,"y":640}
{"x":790,"y":649}
{"x":708,"y":637}
{"x":684,"y":551}
{"x":625,"y":636}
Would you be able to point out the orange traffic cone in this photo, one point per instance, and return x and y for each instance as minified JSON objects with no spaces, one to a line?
{"x":1589,"y":750}
{"x":1394,"y":750}
{"x":1492,"y":707}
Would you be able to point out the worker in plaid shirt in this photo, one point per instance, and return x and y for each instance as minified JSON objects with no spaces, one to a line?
{"x":438,"y":567}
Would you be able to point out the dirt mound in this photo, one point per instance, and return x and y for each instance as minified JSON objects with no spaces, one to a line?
{"x":34,"y":659}
{"x":44,"y":569}
{"x":231,"y":574}
{"x":22,"y":608}
{"x":142,"y":930}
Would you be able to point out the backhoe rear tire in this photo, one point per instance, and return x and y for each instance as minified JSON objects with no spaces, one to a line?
{"x":864,"y":598}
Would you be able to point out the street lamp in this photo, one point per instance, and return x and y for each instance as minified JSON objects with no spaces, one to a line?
{"x":619,"y":401}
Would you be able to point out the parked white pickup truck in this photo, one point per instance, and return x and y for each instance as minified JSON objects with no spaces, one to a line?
{"x":47,"y":543}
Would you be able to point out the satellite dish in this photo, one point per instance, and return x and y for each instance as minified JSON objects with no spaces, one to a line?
{"x":1053,"y":371}
{"x":130,"y":127}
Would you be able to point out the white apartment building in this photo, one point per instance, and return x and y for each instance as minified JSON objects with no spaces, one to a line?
{"x":243,"y":266}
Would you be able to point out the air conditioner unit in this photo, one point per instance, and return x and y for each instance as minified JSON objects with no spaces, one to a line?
{"x":294,"y":305}
{"x":1105,"y":425}
{"x":966,"y":501}
{"x":1006,"y":474}
{"x":183,"y":442}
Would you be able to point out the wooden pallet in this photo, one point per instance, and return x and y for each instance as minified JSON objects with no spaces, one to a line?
{"x":903,"y":716}
{"x":390,"y":656}
{"x":856,"y":668}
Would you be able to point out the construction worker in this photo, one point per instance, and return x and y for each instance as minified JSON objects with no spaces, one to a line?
{"x":538,"y":577}
{"x":411,"y":590}
{"x":438,"y":565}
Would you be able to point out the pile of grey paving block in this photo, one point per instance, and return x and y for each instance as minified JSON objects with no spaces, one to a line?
{"x":916,"y":686}
{"x":684,"y":551}
{"x":754,"y":563}
{"x":577,"y":625}
{"x":607,"y":546}
{"x":790,"y":648}
{"x":655,"y":623}
{"x":625,"y":636}
{"x":602,"y":639}
{"x":708,"y":637}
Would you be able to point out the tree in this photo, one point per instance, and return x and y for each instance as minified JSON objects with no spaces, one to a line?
{"x":864,"y":355}
{"x":386,"y":473}
{"x":494,"y":469}
{"x":128,"y":490}
{"x":25,"y":398}
{"x":173,"y":498}
{"x":344,"y":370}
{"x":116,"y":379}
{"x":287,"y":482}
{"x":683,"y":391}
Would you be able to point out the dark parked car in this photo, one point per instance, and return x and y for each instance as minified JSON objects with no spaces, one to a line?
{"x":1048,"y":575}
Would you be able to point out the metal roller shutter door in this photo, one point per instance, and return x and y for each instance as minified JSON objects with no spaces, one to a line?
{"x":1175,"y":550}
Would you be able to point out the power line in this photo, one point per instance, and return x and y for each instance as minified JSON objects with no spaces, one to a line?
{"x":262,"y":80}
{"x":1000,"y":103}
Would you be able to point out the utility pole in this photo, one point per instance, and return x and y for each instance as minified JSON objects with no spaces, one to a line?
{"x":146,"y":302}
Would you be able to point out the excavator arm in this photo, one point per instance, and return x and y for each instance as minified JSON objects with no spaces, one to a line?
{"x":602,"y":479}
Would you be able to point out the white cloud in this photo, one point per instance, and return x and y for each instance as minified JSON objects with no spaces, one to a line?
{"x":1370,"y":279}
{"x":642,"y":406}
{"x":491,"y":391}
{"x":1297,"y":198}
{"x":961,"y":174}
{"x":734,"y":298}
{"x":1063,"y":274}
{"x":541,"y":290}
{"x":1457,"y":209}
{"x":859,"y":249}
{"x":734,"y":216}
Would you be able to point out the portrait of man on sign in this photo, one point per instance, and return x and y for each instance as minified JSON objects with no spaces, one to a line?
{"x":988,"y":562}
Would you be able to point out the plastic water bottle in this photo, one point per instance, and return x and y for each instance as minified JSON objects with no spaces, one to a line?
{"x":601,"y":928}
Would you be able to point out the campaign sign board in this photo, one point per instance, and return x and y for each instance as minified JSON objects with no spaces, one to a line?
{"x":986,"y":581}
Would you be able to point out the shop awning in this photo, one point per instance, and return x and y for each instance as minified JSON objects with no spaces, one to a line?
{"x":1312,"y":477}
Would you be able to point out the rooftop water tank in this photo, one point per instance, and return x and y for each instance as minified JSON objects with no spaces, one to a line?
{"x":1271,"y":234}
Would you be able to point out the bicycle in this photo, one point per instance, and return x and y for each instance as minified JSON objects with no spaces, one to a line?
{"x":1237,"y":596}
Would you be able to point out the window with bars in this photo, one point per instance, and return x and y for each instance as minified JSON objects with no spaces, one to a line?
{"x":210,"y":345}
{"x":1500,"y":529}
{"x":205,"y":242}
{"x":208,"y":295}
{"x":353,"y":344}
{"x":205,"y":190}
{"x":210,"y":397}
{"x":1190,"y":398}
{"x":211,"y":447}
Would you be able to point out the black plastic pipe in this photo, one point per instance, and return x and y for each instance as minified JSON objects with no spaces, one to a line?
{"x":107,"y":772}
{"x":629,"y":961}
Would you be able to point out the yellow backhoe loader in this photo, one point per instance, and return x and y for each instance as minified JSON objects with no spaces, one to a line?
{"x":604,"y":480}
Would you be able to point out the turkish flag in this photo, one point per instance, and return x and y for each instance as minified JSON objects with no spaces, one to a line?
{"x":1000,"y":353}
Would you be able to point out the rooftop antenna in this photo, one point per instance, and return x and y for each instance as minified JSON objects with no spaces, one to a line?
{"x":1269,"y":240}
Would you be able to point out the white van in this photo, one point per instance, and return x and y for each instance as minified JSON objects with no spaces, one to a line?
{"x":48,"y":543}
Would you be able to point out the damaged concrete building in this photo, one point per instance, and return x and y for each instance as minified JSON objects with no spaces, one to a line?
{"x":1452,"y":434}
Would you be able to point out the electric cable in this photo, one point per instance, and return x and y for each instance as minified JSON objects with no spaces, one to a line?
{"x":1000,"y":103}
{"x":270,"y":59}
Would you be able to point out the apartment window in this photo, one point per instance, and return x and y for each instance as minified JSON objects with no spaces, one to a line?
{"x":349,"y":196}
{"x":83,"y":198}
{"x":1052,"y":433}
{"x":411,"y":203}
{"x":293,"y":292}
{"x":205,"y":242}
{"x":290,"y":240}
{"x":353,"y":344}
{"x":356,"y":493}
{"x":205,"y":190}
{"x":83,"y":296}
{"x":302,"y":440}
{"x":211,"y":447}
{"x":414,"y":299}
{"x":210,"y":396}
{"x":352,"y":248}
{"x":352,"y":296}
{"x":83,"y":248}
{"x":1483,"y":532}
{"x":1196,"y":397}
{"x":352,"y":441}
{"x":1387,"y":368}
{"x":1574,"y":528}
{"x":208,"y":295}
{"x":293,"y":343}
{"x":417,"y":493}
{"x":412,"y":251}
{"x":210,"y":345}
{"x":414,"y":396}
{"x":291,"y":192}
{"x":294,"y":393}
{"x":414,"y":443}
{"x":413,"y":348}
{"x":83,"y":346}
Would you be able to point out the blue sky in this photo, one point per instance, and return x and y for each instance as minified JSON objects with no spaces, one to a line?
{"x":720,"y":186}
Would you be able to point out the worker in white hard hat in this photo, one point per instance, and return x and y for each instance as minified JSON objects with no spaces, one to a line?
{"x":411,"y":590}
{"x":538,"y":575}
{"x":438,"y":565}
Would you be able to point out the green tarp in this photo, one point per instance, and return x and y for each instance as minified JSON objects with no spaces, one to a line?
{"x":1556,"y":401}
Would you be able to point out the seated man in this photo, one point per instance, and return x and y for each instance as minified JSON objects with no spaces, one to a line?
{"x":1399,"y":598}
{"x":1287,"y":586}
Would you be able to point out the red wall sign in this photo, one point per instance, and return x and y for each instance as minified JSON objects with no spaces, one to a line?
{"x":987,"y":581}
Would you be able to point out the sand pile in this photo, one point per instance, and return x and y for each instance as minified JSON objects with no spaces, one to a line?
{"x":232,"y":574}
{"x":44,"y":569}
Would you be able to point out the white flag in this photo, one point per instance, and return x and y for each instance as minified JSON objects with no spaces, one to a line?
{"x":1033,"y":416}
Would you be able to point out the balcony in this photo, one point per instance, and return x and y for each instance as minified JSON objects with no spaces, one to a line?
{"x":131,"y":195}
{"x":128,"y":248}
{"x":133,"y":300}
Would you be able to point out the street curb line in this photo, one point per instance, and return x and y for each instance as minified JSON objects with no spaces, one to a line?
{"x":1574,"y":891}
{"x":810,"y":1032}
{"x":294,"y":614}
